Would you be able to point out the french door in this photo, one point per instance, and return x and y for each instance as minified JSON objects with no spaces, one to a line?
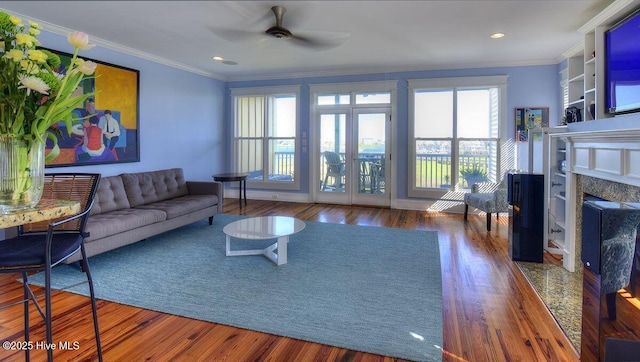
{"x":353,"y":156}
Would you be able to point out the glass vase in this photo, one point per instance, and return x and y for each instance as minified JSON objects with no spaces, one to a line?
{"x":21,"y":173}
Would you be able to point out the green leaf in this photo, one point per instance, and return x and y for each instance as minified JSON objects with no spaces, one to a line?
{"x":55,"y":150}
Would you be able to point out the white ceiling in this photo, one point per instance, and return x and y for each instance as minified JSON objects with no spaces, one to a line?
{"x":378,"y":36}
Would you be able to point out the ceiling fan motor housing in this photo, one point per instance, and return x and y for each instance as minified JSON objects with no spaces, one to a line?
{"x":279,"y":32}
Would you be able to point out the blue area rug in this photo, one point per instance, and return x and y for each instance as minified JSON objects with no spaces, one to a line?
{"x":371,"y":289}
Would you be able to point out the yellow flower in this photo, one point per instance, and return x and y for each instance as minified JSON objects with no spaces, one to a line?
{"x":34,"y":25}
{"x":79,"y":40}
{"x":29,"y":67}
{"x":37,"y":56}
{"x":34,"y":31}
{"x":33,"y":83}
{"x":15,"y":20}
{"x":15,"y":55}
{"x":26,"y":40}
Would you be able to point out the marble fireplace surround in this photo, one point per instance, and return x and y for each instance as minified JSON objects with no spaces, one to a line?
{"x":604,"y":163}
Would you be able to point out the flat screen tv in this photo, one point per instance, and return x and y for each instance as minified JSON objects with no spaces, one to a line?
{"x":622,"y":65}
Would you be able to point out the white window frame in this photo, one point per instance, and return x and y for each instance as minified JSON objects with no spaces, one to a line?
{"x":269,"y":92}
{"x":459,"y":83}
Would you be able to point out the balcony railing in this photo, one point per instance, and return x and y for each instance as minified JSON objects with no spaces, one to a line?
{"x":432,"y":170}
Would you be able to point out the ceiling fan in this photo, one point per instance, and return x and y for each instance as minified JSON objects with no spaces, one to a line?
{"x":318,"y":40}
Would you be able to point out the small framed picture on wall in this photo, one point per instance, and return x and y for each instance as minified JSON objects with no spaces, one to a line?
{"x":530,"y":118}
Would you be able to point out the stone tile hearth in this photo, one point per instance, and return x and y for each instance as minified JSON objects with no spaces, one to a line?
{"x":561,"y":292}
{"x":559,"y":289}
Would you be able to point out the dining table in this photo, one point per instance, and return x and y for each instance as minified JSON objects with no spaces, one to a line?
{"x":46,"y":209}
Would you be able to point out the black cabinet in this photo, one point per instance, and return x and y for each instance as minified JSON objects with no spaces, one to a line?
{"x":526,"y":216}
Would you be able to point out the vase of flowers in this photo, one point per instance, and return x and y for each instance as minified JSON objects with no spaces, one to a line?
{"x":22,"y":168}
{"x":34,"y":97}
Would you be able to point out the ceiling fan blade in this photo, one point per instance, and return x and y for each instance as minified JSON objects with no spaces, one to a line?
{"x":233,"y":35}
{"x":320,"y":40}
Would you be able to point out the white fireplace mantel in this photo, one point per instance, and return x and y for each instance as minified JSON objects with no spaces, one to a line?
{"x":607,"y":150}
{"x":612,"y":155}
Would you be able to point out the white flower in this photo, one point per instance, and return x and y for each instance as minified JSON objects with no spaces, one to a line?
{"x":87,"y":68}
{"x":79,"y":40}
{"x":33,"y":83}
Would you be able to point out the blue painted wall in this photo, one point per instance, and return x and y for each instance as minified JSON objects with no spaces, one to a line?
{"x":530,"y":86}
{"x":185,"y":118}
{"x":181,"y":117}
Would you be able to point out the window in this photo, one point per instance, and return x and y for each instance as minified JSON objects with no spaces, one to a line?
{"x":265,"y":136}
{"x":456,"y":125}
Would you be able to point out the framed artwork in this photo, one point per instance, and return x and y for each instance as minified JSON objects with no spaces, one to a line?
{"x":530,"y":118}
{"x":108,"y":129}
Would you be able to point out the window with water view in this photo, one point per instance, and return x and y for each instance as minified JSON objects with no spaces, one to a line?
{"x":456,"y":137}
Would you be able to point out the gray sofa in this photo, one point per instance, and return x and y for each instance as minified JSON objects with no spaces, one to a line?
{"x":134,"y":206}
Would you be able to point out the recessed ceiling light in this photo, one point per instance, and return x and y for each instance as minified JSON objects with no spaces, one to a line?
{"x":218,"y":58}
{"x":497,"y":35}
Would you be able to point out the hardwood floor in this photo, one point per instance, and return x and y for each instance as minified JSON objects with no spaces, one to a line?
{"x":490,"y":312}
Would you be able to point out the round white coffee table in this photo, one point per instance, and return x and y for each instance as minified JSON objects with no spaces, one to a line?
{"x":263,"y":228}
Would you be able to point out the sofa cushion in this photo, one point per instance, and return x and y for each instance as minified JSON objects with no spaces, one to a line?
{"x":118,"y":221}
{"x":110,"y":196}
{"x":149,"y":187}
{"x":182,"y":205}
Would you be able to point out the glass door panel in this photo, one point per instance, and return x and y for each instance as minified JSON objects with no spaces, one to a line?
{"x":353,"y":165}
{"x":333,"y":145}
{"x":369,"y":169}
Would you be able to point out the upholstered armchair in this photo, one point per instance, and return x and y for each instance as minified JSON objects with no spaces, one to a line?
{"x":488,"y":197}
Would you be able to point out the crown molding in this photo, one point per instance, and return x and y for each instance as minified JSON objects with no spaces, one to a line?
{"x":610,"y":15}
{"x":60,"y":30}
{"x":381,"y":70}
{"x":577,"y":49}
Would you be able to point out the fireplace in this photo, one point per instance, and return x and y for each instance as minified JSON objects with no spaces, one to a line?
{"x":604,"y":159}
{"x":601,"y":188}
{"x":604,"y":315}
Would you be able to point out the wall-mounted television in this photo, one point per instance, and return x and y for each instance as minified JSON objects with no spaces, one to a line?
{"x":622,"y":65}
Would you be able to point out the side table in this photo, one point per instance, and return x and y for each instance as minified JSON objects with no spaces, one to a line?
{"x":242,"y":183}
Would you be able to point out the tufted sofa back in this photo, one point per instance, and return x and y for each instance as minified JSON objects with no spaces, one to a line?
{"x":135,"y":189}
{"x":110,"y":196}
{"x":147,"y":187}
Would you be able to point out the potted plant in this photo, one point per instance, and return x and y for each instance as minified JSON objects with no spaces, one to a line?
{"x":446,"y":183}
{"x":473,"y":174}
{"x":33,"y":98}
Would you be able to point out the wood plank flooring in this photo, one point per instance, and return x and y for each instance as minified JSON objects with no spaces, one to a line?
{"x":490,"y":312}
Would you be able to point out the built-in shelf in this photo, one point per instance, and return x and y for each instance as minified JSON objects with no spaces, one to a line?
{"x":557,"y":183}
{"x":578,"y":78}
{"x":559,"y":243}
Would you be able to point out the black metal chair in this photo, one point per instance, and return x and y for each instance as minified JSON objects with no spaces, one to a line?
{"x":43,"y":245}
